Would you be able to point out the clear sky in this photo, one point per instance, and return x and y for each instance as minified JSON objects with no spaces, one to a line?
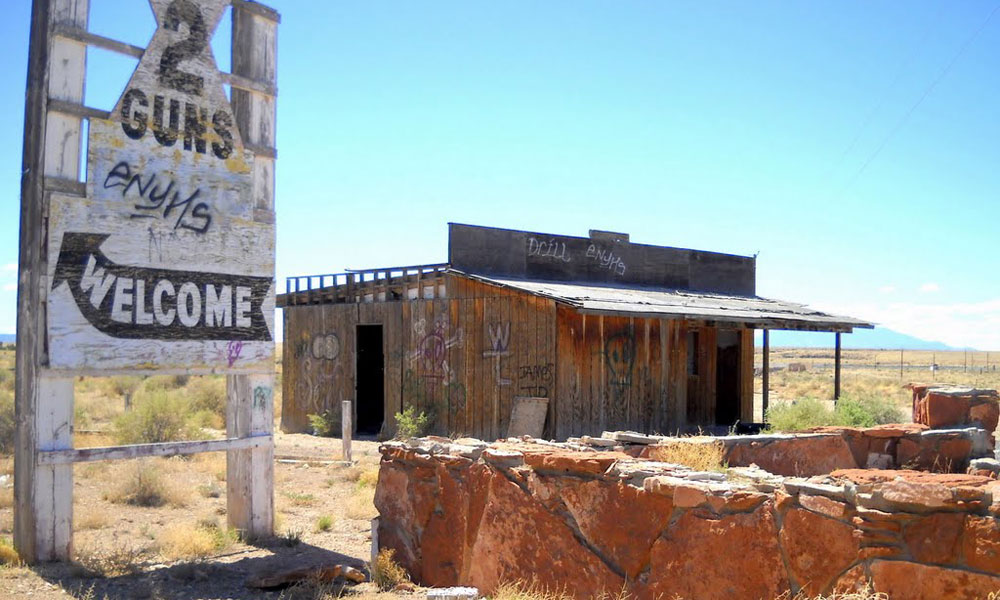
{"x":854,"y":145}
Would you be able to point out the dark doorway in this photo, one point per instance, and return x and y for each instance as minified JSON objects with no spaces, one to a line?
{"x":727,"y":377}
{"x":370,"y":380}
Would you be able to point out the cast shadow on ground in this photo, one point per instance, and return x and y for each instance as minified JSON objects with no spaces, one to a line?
{"x":223,"y":576}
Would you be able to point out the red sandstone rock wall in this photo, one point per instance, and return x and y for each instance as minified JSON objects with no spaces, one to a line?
{"x":588,"y":522}
{"x":824,"y":449}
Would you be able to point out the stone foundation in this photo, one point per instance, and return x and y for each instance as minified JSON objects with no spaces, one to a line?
{"x":585,"y":520}
{"x":825,"y":449}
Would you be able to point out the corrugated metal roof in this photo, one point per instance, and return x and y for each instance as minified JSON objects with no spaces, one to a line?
{"x":682,"y":304}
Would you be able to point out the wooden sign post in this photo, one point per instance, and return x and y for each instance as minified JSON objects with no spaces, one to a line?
{"x":161,"y":261}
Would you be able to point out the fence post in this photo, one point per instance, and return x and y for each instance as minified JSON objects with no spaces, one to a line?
{"x":346,"y":427}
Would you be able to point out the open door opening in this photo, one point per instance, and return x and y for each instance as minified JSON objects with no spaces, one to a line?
{"x":727,"y":377}
{"x":370,"y":380}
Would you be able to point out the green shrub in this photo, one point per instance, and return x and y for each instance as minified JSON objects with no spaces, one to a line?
{"x":409,"y":424}
{"x":867,"y":410}
{"x":798,"y":415}
{"x":326,"y":424}
{"x":8,"y":424}
{"x":157,"y":416}
{"x":851,"y":411}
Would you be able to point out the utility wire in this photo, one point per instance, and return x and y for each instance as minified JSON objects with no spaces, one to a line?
{"x":923,"y":96}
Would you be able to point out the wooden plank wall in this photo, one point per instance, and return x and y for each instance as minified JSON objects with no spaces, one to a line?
{"x":463,"y":359}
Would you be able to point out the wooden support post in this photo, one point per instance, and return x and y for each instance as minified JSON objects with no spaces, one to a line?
{"x":346,"y":428}
{"x":250,"y":471}
{"x":43,"y":495}
{"x":836,"y":369}
{"x":765,"y":374}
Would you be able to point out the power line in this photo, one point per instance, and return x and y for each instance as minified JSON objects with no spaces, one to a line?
{"x":927,"y":91}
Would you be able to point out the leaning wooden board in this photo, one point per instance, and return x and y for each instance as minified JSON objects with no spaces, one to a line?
{"x":165,"y":265}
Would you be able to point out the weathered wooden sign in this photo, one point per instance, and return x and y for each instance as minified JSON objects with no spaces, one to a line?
{"x":164,"y":266}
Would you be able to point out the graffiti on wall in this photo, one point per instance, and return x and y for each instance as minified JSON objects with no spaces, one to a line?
{"x":535,"y":380}
{"x":619,"y":360}
{"x":317,"y":361}
{"x":431,"y":353}
{"x":499,"y":336}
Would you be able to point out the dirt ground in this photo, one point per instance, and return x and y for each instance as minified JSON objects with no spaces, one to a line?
{"x":161,"y":543}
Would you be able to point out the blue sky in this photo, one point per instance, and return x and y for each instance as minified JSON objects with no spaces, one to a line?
{"x":854,"y":145}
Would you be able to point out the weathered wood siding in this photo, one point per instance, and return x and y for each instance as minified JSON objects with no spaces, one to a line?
{"x":463,"y":358}
{"x":460,"y":359}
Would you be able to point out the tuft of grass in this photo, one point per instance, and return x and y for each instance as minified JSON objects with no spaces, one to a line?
{"x":210,"y":490}
{"x":7,"y":422}
{"x":324,"y":523}
{"x":144,"y":485}
{"x":298,"y":499}
{"x":6,"y":498}
{"x":8,"y":555}
{"x":200,"y":540}
{"x":91,"y":519}
{"x":120,"y":559}
{"x":368,"y":477}
{"x":701,"y":454}
{"x":361,"y":505}
{"x":290,"y":537}
{"x":386,"y":572}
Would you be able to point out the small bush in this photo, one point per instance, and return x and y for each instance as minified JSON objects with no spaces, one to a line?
{"x":368,"y":478}
{"x":157,"y":416}
{"x":850,"y":411}
{"x":799,"y":415}
{"x":410,"y":424}
{"x":301,"y":499}
{"x":290,"y":538}
{"x":326,"y":424}
{"x":386,"y":572}
{"x":144,"y":485}
{"x":324,"y":523}
{"x":867,"y":410}
{"x":121,"y":559}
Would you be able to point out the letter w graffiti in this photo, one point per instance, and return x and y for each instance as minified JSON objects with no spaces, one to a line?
{"x":499,"y":343}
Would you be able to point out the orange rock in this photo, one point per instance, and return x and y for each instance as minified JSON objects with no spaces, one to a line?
{"x":868,"y":476}
{"x":981,"y":543}
{"x":517,"y":538}
{"x":818,"y":549}
{"x":703,"y":557}
{"x":903,"y":580}
{"x":825,"y":506}
{"x":945,"y":410}
{"x":854,"y":581}
{"x":569,"y":461}
{"x":934,"y":538}
{"x":619,"y":520}
{"x":798,"y":456}
{"x":986,"y":414}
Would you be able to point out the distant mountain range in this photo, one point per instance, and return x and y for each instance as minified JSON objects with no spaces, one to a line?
{"x":879,"y":338}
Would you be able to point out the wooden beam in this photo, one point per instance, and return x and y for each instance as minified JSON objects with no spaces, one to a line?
{"x":80,"y":34}
{"x":76,"y":109}
{"x":64,"y":457}
{"x":765,"y":374}
{"x":346,"y":428}
{"x":836,"y":369}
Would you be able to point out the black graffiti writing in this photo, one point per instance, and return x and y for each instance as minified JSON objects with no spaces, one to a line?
{"x":540,"y":372}
{"x":157,"y":200}
{"x":166,"y":123}
{"x":141,"y":303}
{"x":183,"y":11}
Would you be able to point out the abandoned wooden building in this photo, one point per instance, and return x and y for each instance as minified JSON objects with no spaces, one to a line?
{"x":615,"y":335}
